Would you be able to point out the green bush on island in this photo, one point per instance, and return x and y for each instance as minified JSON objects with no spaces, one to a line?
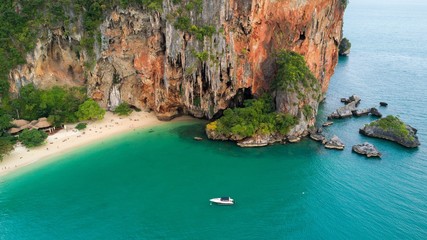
{"x":81,"y":126}
{"x":393,"y":124}
{"x":90,"y":110}
{"x":257,"y":117}
{"x":123,"y":109}
{"x":32,"y":138}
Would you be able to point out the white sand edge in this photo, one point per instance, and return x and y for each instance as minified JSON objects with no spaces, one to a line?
{"x":70,"y":139}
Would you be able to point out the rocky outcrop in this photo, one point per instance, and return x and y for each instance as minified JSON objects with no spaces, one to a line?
{"x":392,"y":129}
{"x":256,"y":141}
{"x":141,"y":57}
{"x":347,"y":110}
{"x":345,"y":47}
{"x":366,"y":149}
{"x":318,"y":137}
{"x":335,"y":143}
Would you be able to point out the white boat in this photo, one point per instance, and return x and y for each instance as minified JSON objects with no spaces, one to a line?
{"x":222,"y":201}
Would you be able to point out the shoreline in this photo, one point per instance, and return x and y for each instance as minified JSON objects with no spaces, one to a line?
{"x":70,"y":139}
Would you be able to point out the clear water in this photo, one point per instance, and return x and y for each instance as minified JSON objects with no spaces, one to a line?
{"x":156,"y":185}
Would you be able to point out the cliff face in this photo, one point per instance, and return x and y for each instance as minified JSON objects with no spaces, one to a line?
{"x":144,"y":60}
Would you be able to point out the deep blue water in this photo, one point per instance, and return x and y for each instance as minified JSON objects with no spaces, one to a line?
{"x":155,"y":185}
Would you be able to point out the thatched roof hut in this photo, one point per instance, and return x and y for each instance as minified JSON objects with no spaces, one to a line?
{"x":20,"y":122}
{"x":42,"y":123}
{"x":15,"y":130}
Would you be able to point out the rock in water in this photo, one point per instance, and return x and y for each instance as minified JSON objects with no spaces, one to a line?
{"x":294,"y":139}
{"x":327,"y":124}
{"x":347,"y":110}
{"x":383,"y":104}
{"x":393,"y":129}
{"x":376,"y":113}
{"x":366,"y":149}
{"x":256,"y":141}
{"x":361,"y":112}
{"x":318,"y":137}
{"x":335,"y":143}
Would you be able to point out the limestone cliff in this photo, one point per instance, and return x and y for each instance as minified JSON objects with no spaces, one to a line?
{"x":143,"y":59}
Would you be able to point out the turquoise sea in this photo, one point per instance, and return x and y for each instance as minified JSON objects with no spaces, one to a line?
{"x":156,"y":184}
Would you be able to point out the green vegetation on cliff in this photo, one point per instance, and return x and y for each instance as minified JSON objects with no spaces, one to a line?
{"x":257,"y":117}
{"x":24,"y":21}
{"x":292,"y":71}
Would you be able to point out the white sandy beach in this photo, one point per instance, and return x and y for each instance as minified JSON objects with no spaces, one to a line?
{"x":70,"y":138}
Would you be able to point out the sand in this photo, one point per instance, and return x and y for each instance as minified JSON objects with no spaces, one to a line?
{"x":69,"y":138}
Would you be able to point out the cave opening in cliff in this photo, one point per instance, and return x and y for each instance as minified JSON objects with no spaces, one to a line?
{"x":302,"y":36}
{"x":241,"y":95}
{"x":237,"y":101}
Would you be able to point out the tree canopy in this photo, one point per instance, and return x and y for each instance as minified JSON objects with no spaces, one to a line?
{"x":32,"y":138}
{"x":90,"y":110}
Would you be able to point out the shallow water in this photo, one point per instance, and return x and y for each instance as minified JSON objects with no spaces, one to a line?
{"x":156,"y":184}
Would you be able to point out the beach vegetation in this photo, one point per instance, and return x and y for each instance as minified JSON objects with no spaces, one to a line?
{"x":81,"y":126}
{"x":6,"y":146}
{"x":32,"y":138}
{"x":258,"y":116}
{"x":90,"y":110}
{"x":5,"y":122}
{"x":123,"y":109}
{"x":58,"y":104}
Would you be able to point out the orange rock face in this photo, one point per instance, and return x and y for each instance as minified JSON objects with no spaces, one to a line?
{"x":145,"y":61}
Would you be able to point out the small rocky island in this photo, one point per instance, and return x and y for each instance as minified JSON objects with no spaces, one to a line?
{"x":393,"y":129}
{"x":367,"y":149}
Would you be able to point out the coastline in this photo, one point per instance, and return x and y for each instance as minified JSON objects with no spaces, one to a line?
{"x":70,"y":139}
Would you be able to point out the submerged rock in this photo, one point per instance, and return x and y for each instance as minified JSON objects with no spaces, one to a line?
{"x":366,"y":149}
{"x":393,"y":129}
{"x":335,"y":143}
